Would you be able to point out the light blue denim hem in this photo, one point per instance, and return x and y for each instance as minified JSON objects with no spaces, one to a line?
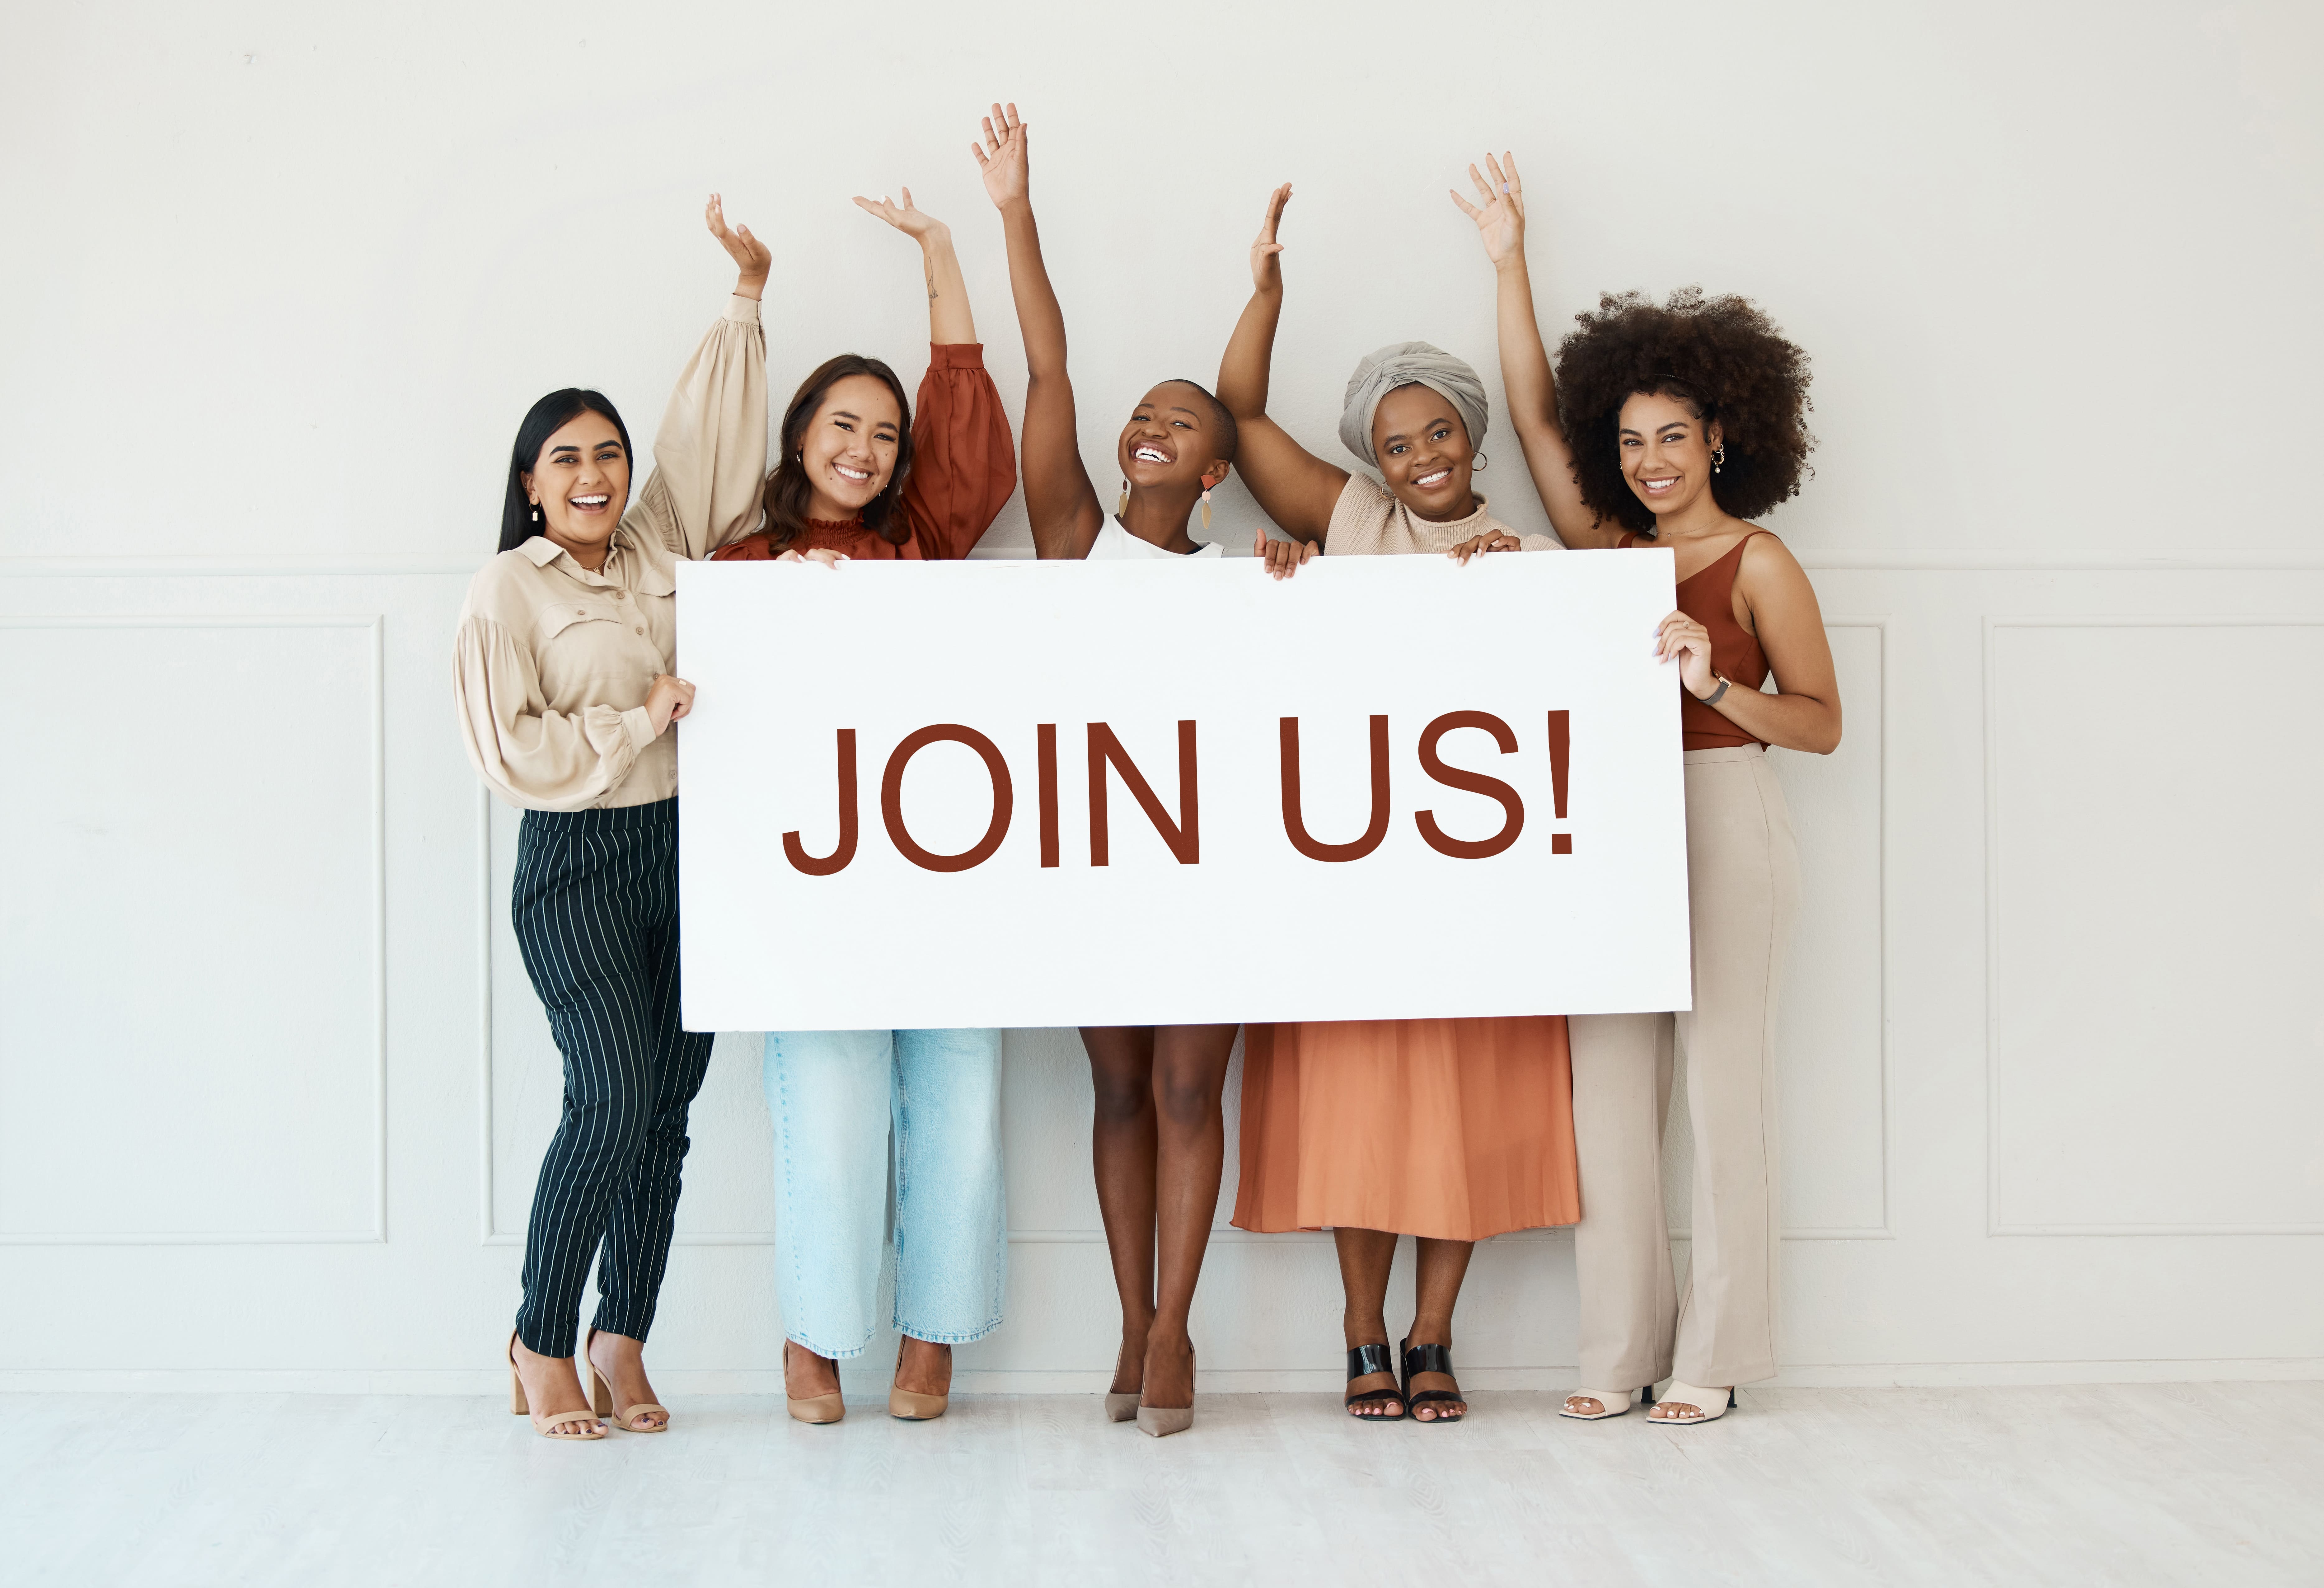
{"x":971,"y":1338}
{"x":833,"y":1355}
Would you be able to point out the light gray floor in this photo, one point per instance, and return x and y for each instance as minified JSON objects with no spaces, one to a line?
{"x":2217,"y":1483}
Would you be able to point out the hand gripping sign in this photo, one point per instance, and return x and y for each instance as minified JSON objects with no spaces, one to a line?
{"x":1131,"y":793}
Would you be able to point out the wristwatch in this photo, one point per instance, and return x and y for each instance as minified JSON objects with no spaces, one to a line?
{"x":1716,"y":695}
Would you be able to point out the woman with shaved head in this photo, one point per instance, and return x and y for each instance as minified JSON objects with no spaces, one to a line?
{"x":1159,"y":1142}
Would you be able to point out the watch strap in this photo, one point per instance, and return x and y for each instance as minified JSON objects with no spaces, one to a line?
{"x":1716,"y":695}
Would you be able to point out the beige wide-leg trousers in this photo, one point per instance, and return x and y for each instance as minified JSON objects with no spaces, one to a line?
{"x":1743,"y":887}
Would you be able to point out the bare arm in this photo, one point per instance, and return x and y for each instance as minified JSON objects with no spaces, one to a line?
{"x":1059,"y":499}
{"x":949,"y":318}
{"x":1782,"y":603}
{"x":1295,"y":488}
{"x":1500,"y":215}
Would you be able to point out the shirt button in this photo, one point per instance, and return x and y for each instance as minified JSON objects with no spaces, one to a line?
{"x":641,"y":628}
{"x":621,"y":595}
{"x":580,"y":612}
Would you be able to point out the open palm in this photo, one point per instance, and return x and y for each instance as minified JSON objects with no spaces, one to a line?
{"x":1001,"y":157}
{"x":906,"y":217}
{"x":1499,"y":212}
{"x":1265,"y":252}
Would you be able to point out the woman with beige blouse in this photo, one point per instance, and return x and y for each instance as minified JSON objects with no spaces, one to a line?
{"x":565,"y":676}
{"x":1674,"y":425}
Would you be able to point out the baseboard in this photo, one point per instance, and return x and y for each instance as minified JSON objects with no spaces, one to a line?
{"x":860,"y":1382}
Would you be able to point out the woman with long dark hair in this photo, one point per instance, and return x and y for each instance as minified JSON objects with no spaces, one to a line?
{"x":564,"y":678}
{"x":1675,"y":424}
{"x":1158,"y":1138}
{"x":860,"y":478}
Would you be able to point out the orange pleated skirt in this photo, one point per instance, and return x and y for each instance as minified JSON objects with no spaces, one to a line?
{"x":1457,"y":1130}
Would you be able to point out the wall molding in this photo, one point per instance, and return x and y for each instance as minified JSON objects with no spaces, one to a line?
{"x":1996,"y":1226}
{"x":376,"y":623}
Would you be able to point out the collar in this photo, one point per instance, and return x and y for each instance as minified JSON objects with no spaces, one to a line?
{"x":627,"y":568}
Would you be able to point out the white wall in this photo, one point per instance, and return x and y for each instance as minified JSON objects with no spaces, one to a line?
{"x":276,"y":286}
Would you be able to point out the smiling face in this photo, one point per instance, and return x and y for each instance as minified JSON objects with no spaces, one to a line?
{"x":581,"y":483}
{"x":848,"y":450}
{"x":1424,"y":452}
{"x":1171,"y":440}
{"x":1666,"y":451}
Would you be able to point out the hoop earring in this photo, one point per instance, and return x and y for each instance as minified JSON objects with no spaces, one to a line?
{"x":1719,"y":457}
{"x":1207,"y":510}
{"x":1477,"y":464}
{"x":1123,"y":505}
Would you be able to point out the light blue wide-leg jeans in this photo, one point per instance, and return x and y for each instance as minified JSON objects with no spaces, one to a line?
{"x":837,"y":1100}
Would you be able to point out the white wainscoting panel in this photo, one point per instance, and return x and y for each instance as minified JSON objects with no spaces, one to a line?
{"x":2157,"y":925}
{"x":191,"y":943}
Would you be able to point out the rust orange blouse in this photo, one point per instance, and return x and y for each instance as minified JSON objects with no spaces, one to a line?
{"x":964,"y":467}
{"x":1708,"y":596}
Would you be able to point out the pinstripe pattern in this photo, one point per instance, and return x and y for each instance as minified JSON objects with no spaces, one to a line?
{"x":595,"y":909}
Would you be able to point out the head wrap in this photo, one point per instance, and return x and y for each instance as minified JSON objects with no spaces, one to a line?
{"x":1409,"y":364}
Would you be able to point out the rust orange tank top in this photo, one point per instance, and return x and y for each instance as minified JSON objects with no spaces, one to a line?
{"x":1708,"y":596}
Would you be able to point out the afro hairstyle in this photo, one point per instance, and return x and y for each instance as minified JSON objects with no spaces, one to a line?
{"x":1721,"y":356}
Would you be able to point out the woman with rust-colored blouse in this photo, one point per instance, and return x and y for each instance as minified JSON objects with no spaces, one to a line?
{"x":859,"y":479}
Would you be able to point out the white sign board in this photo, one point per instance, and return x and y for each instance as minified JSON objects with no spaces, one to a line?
{"x":1133,"y":793}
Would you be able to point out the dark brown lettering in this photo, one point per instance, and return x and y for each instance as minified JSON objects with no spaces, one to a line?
{"x":1294,"y":826}
{"x":891,"y":802}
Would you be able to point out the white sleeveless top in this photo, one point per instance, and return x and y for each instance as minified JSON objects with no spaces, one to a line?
{"x":1114,"y":541}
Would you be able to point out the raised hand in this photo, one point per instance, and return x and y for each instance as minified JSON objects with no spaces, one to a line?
{"x":751,"y":256}
{"x":906,"y":217}
{"x":1266,"y":269}
{"x":1499,"y":213}
{"x":1001,"y":157}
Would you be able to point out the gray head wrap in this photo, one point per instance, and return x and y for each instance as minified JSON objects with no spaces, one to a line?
{"x":1409,"y":364}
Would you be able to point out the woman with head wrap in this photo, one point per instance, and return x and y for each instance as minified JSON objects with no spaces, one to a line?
{"x":1674,"y":425}
{"x":1157,"y":1137}
{"x":1450,"y":1130}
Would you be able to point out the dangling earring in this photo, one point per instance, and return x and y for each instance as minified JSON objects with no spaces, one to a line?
{"x":536,"y":512}
{"x":1719,"y":457}
{"x":1477,"y":466}
{"x":1123,"y":506}
{"x":1207,"y":510}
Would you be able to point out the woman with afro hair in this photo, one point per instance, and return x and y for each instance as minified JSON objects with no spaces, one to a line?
{"x":1675,"y":425}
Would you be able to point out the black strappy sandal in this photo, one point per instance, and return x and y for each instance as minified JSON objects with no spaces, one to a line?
{"x":1429,"y":1359}
{"x":1373,"y":1359}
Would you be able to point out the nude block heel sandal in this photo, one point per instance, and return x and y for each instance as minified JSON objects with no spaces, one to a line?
{"x":544,"y":1425}
{"x":600,"y":1399}
{"x":812,"y":1408}
{"x":1613,"y":1403}
{"x":1710,"y":1405}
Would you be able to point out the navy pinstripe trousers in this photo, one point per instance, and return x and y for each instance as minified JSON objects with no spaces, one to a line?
{"x":595,"y":909}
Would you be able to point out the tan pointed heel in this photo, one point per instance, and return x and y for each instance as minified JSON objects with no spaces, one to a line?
{"x":1120,"y":1406}
{"x":910,"y":1406}
{"x":1160,"y":1422}
{"x":600,"y":1399}
{"x":811,"y":1409}
{"x":543,"y":1424}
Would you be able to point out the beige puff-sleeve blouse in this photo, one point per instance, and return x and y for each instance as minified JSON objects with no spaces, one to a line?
{"x":1368,"y":521}
{"x":552,"y":662}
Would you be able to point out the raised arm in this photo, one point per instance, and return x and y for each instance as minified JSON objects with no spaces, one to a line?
{"x":710,"y":454}
{"x":1059,"y":499}
{"x":1500,"y":215}
{"x":1295,"y":488}
{"x":949,"y":319}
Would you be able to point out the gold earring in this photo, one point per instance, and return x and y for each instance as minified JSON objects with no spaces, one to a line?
{"x":1123,"y":506}
{"x":1207,"y":510}
{"x":1477,"y":464}
{"x":1719,"y":457}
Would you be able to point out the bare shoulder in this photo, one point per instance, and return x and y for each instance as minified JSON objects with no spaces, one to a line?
{"x":1766,"y":559}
